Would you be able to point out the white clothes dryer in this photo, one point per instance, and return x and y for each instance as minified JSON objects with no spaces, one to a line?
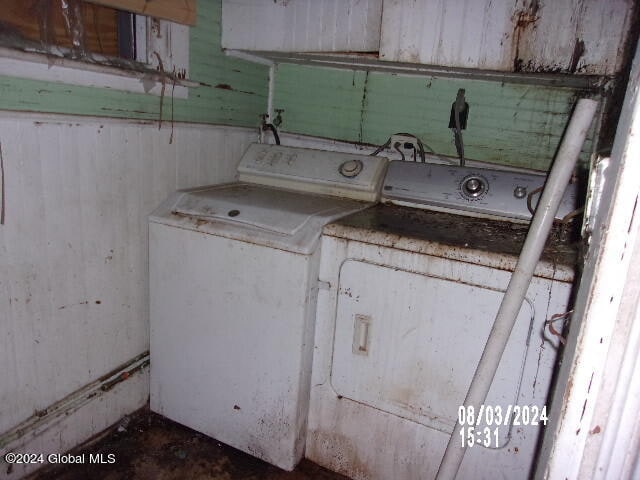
{"x":407,"y":300}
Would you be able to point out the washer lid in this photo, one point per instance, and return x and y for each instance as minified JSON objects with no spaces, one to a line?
{"x":255,"y":213}
{"x":272,"y":210}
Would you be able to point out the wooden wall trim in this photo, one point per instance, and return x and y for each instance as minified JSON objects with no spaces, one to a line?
{"x":183,"y":11}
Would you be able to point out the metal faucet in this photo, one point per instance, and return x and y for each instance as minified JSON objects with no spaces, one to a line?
{"x":264,"y":126}
{"x":278,"y":120}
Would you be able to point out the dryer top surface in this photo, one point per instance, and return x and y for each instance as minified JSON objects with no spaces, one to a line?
{"x":486,"y":242}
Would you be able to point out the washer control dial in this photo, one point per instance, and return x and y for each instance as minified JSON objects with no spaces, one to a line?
{"x":474,"y":187}
{"x":351,"y":168}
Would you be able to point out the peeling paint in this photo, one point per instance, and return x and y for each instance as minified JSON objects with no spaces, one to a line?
{"x":340,"y":108}
{"x":226,"y":86}
{"x":505,"y":35}
{"x":363,"y":105}
{"x":578,"y":53}
{"x":208,"y":65}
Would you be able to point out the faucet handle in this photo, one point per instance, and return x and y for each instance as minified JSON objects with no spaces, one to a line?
{"x":278,"y":120}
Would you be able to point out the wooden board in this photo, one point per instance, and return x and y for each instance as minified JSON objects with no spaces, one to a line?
{"x":179,"y":11}
{"x":101,"y":25}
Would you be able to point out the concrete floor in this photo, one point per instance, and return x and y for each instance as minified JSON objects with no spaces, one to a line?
{"x":148,"y":446}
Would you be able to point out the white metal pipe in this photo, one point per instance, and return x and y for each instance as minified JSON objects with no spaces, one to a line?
{"x":514,"y":296}
{"x":272,"y":87}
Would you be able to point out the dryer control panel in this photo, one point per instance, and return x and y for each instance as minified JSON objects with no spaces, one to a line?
{"x":474,"y":191}
{"x":340,"y":174}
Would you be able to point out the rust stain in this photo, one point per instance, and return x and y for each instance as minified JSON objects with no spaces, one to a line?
{"x":363,"y":105}
{"x":595,"y":430}
{"x":524,"y":20}
{"x":339,"y":452}
{"x":445,"y":230}
{"x":346,"y":292}
{"x":110,"y":374}
{"x":124,"y":376}
{"x":613,"y":107}
{"x":525,"y":23}
{"x":226,"y":86}
{"x":633,"y":212}
{"x":578,"y":52}
{"x":188,"y":223}
{"x":374,"y":54}
{"x":584,"y":408}
{"x":86,"y":302}
{"x":123,"y":110}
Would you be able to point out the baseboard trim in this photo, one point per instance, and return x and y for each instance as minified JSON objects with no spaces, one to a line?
{"x":44,"y":419}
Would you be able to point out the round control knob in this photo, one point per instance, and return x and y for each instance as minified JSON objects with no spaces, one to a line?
{"x":473,"y":187}
{"x":520,"y":192}
{"x":351,"y":168}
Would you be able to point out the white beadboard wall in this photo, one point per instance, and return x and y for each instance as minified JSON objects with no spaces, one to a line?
{"x":302,"y":25}
{"x":507,"y":35}
{"x":73,"y":250}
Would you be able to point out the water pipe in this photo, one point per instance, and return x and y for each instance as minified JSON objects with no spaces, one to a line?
{"x":514,"y":296}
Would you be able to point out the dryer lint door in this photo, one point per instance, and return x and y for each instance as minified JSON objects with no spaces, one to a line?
{"x":408,"y":344}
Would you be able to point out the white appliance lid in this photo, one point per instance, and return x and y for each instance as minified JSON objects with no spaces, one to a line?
{"x":273,"y":210}
{"x":258,"y":214}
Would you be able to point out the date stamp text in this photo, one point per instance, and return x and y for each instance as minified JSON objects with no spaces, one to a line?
{"x":481,"y":426}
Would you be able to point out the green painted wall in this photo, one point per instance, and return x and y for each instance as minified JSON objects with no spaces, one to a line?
{"x":512,"y":124}
{"x":508,"y":123}
{"x":240,"y":105}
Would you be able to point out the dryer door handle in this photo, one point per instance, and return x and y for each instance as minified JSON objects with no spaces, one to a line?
{"x":361,"y":334}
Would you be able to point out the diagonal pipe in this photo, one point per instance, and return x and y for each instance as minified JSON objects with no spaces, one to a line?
{"x":519,"y":283}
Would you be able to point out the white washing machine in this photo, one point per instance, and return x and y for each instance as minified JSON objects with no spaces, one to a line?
{"x":233,"y":288}
{"x":407,"y":299}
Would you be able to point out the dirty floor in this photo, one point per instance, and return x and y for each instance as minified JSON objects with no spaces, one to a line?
{"x":148,"y":446}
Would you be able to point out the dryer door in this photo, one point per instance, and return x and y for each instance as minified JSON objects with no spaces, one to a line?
{"x":408,"y":343}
